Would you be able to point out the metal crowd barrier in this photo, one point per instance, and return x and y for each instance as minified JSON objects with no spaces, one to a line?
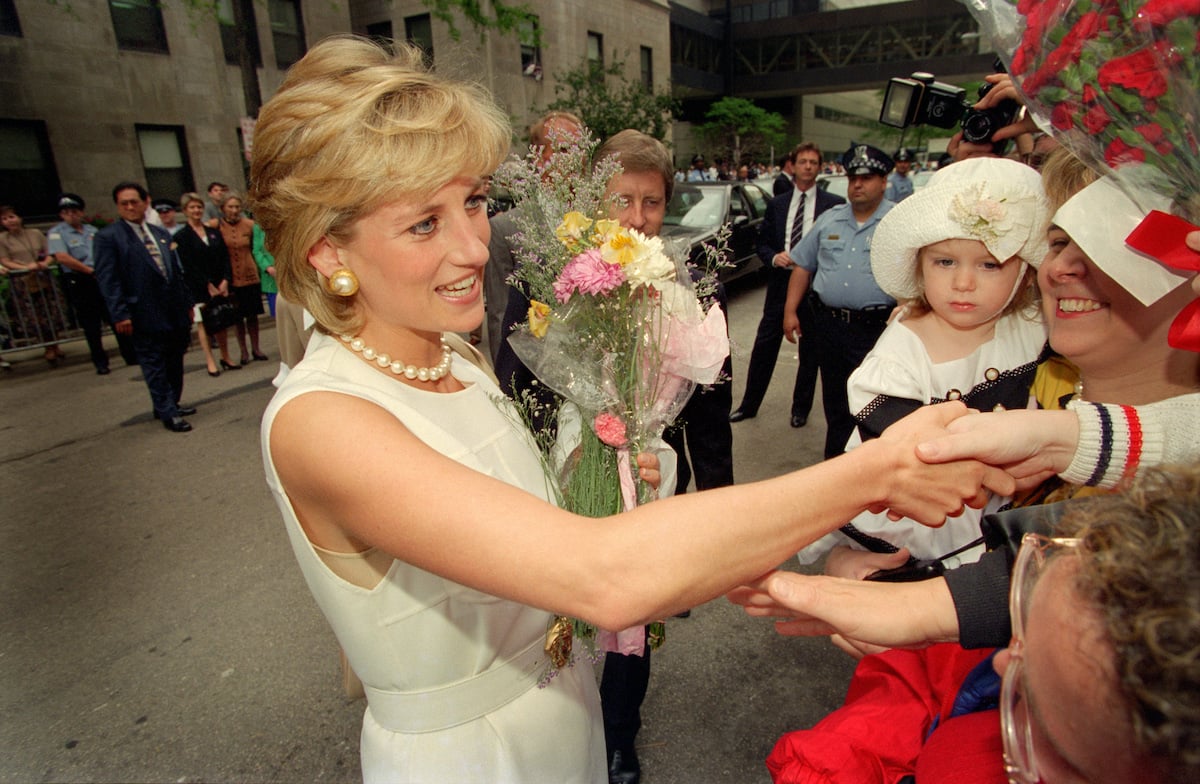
{"x":34,"y":312}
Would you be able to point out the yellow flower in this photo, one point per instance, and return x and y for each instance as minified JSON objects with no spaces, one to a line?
{"x":605,"y":230}
{"x":572,"y":228}
{"x":539,"y":318}
{"x":619,"y":249}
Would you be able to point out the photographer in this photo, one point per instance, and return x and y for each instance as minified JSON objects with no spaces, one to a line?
{"x":1002,"y":89}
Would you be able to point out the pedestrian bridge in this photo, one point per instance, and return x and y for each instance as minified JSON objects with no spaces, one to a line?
{"x":792,"y":47}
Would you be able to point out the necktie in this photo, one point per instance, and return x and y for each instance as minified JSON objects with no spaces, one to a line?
{"x":798,"y":222}
{"x":152,"y":249}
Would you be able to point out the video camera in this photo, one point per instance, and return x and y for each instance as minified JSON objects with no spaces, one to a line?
{"x":922,"y":100}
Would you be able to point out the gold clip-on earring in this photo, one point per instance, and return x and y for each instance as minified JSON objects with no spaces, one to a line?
{"x":342,"y":283}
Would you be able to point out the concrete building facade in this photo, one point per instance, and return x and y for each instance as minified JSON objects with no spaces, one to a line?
{"x":100,"y":91}
{"x":521,"y":76}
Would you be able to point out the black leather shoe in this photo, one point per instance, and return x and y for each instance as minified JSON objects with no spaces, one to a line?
{"x":799,"y":421}
{"x":623,"y":767}
{"x":230,"y":366}
{"x":739,"y":415}
{"x":102,"y":371}
{"x":177,"y":425}
{"x":186,"y":410}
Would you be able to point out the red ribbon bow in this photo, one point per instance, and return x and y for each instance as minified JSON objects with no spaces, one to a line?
{"x":1161,"y":236}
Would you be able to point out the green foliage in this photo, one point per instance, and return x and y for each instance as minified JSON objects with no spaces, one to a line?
{"x":607,"y":102}
{"x":505,"y":17}
{"x":739,"y":130}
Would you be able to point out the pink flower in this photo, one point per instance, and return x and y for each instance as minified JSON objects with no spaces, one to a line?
{"x":587,"y":273}
{"x":610,"y":429}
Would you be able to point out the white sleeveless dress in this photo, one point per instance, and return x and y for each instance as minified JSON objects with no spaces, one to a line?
{"x":450,"y":673}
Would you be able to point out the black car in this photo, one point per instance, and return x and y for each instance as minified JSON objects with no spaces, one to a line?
{"x":698,"y":209}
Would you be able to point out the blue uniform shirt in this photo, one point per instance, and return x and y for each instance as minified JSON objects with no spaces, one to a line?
{"x":63,"y":238}
{"x":900,"y":187}
{"x":836,"y":251}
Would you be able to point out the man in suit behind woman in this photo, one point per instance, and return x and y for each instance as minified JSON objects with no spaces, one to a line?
{"x":782,"y":228}
{"x":143,"y":284}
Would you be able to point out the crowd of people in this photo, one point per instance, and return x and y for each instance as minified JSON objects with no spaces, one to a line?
{"x":929,"y":299}
{"x":1019,"y":576}
{"x":149,"y":276}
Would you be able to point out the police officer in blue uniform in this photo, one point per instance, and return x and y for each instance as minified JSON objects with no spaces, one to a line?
{"x":851,"y":310}
{"x":70,"y":243}
{"x":900,"y":185}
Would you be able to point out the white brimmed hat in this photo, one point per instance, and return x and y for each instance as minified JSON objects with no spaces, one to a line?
{"x":1099,"y":218}
{"x":997,"y":201}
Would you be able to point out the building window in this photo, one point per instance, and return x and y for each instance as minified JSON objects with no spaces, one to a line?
{"x":287,"y":31}
{"x":381,"y":32}
{"x":9,"y":23}
{"x":531,"y":55}
{"x":648,"y":68}
{"x":229,"y":31}
{"x":418,"y":30}
{"x":138,"y":25}
{"x":595,"y":48}
{"x":165,"y":160}
{"x":28,"y":176}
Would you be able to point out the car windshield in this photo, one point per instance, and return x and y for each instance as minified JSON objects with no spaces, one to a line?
{"x":697,"y":207}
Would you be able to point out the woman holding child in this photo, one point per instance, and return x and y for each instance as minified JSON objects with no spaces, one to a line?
{"x":417,"y":509}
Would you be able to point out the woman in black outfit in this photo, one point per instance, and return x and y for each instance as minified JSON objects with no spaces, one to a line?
{"x":206,"y":264}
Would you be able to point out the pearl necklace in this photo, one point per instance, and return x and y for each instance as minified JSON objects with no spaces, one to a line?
{"x":396,"y":366}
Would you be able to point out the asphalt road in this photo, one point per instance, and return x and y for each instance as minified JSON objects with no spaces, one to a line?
{"x":156,"y":628}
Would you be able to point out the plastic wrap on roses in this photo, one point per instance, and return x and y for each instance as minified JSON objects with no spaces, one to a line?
{"x":1117,"y":83}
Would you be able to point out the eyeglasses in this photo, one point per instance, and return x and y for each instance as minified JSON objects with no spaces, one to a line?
{"x":1020,"y":761}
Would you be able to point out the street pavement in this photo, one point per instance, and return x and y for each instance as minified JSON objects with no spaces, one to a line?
{"x":156,"y":628}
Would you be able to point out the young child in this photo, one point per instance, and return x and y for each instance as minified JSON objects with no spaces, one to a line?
{"x":959,"y":254}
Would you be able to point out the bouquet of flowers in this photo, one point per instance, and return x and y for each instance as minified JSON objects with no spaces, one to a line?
{"x":1118,"y":83}
{"x":616,"y":327}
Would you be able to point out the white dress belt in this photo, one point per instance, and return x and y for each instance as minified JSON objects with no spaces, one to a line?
{"x":443,"y":707}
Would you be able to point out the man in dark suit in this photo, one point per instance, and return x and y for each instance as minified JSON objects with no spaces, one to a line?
{"x":789,"y":216}
{"x":143,"y":284}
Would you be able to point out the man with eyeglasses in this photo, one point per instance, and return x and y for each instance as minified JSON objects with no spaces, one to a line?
{"x":1101,"y":682}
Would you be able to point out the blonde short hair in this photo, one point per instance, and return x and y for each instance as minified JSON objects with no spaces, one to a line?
{"x":1064,"y":175}
{"x":352,"y":128}
{"x":188,"y":198}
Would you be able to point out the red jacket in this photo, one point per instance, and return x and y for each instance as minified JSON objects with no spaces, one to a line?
{"x":882,"y":731}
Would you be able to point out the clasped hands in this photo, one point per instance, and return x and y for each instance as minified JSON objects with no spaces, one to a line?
{"x":1006,"y":450}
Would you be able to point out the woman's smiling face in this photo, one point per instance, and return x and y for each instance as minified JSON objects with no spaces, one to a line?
{"x":1092,"y":320}
{"x":420,"y":265}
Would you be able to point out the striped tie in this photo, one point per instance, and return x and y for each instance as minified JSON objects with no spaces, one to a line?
{"x":798,"y":222}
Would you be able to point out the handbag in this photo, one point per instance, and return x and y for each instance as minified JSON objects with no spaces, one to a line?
{"x":219,"y":313}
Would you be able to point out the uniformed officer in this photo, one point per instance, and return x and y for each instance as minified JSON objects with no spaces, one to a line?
{"x":70,"y":243}
{"x":900,"y":185}
{"x":851,"y":310}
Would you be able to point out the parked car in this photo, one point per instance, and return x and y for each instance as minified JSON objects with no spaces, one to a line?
{"x":699,"y":209}
{"x":837,"y":184}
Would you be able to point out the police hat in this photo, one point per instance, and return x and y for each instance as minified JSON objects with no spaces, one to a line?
{"x":70,"y":201}
{"x":697,"y":159}
{"x":903,"y":154}
{"x":865,"y":159}
{"x":163,"y":205}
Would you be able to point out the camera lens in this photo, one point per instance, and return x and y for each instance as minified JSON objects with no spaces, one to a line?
{"x":978,"y":126}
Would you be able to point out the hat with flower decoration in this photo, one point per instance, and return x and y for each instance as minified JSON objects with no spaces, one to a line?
{"x":996,"y":201}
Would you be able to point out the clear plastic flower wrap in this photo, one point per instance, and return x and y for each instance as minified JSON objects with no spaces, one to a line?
{"x":619,"y":326}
